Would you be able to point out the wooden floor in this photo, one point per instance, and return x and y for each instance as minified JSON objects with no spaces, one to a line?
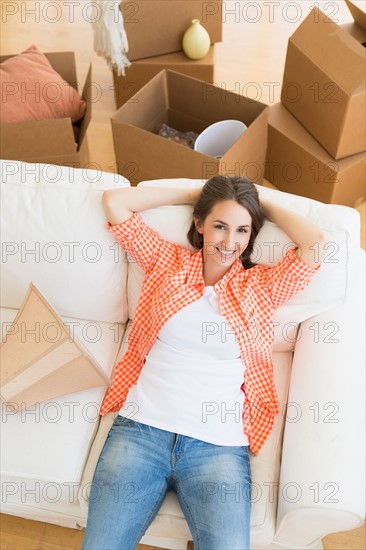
{"x":250,"y":60}
{"x":22,"y":534}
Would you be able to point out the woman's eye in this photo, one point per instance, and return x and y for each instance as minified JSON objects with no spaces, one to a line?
{"x":242,"y":230}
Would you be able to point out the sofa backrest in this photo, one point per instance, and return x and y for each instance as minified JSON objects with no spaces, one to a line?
{"x":53,"y":233}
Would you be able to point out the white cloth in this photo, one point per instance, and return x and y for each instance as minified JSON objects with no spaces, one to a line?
{"x":191,"y":381}
{"x":110,"y":38}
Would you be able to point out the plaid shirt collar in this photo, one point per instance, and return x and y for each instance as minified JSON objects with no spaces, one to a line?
{"x":195,"y":271}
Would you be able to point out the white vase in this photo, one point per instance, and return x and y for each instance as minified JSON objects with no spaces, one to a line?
{"x":196,"y":41}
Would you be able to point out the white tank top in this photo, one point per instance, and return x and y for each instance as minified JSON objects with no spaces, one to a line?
{"x":191,"y":381}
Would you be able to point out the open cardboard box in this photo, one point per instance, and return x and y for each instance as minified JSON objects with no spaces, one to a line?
{"x":51,"y":141}
{"x":296,"y":163}
{"x":186,"y":103}
{"x":141,"y":71}
{"x":324,"y":84}
{"x":157,"y":27}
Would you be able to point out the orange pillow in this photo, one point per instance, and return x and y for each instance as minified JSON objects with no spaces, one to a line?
{"x":32,"y":90}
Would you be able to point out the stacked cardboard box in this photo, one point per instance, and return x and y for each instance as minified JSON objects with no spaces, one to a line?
{"x":168,"y":88}
{"x":155,"y":31}
{"x":51,"y":141}
{"x":316,"y":138}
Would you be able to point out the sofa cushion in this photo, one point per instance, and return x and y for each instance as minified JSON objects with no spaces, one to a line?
{"x":33,"y":90}
{"x":326,"y":290}
{"x":50,"y":237}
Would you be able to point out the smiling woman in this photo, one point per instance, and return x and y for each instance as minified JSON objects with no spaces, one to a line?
{"x":167,"y":364}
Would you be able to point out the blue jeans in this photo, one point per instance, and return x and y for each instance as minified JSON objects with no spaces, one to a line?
{"x":139,"y":464}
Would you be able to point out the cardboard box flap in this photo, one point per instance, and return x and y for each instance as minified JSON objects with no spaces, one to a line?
{"x":64,"y":63}
{"x":207,"y":102}
{"x":333,"y":50}
{"x":84,"y":123}
{"x":356,"y":31}
{"x":358,"y":15}
{"x":146,"y":105}
{"x":128,"y":140}
{"x":51,"y":136}
{"x":252,"y":143}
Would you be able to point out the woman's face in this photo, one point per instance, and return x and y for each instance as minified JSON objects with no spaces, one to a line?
{"x":226,"y":233}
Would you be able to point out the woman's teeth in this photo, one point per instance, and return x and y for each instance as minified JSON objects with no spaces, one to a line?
{"x":227,"y":253}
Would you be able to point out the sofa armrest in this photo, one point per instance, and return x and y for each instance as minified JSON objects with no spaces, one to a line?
{"x":321,"y":488}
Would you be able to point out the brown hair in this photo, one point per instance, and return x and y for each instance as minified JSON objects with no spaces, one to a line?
{"x":222,"y":188}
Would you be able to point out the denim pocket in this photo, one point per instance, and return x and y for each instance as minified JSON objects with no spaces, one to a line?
{"x":124,"y":421}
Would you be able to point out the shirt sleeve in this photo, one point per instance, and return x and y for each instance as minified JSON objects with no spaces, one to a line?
{"x":287,"y":277}
{"x":143,"y":244}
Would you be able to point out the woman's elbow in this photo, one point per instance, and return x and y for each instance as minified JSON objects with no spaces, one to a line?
{"x":106,"y":196}
{"x":106,"y":201}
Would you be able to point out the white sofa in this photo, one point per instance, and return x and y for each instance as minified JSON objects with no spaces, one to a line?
{"x":307,"y":479}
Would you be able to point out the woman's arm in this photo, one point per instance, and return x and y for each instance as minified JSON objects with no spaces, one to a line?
{"x":310,"y":238}
{"x":120,"y":204}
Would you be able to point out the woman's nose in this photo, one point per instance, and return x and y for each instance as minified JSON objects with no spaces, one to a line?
{"x":230,"y":244}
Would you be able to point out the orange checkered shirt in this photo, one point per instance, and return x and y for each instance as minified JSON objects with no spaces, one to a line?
{"x":248,"y":298}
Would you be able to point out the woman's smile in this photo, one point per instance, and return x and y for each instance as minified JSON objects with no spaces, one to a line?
{"x":226,"y":254}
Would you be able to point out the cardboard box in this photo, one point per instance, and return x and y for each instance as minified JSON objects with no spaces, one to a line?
{"x":51,"y":141}
{"x":186,"y":104}
{"x":296,"y":163}
{"x":156,"y":27}
{"x":324,"y":84}
{"x":37,"y":366}
{"x":141,"y":71}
